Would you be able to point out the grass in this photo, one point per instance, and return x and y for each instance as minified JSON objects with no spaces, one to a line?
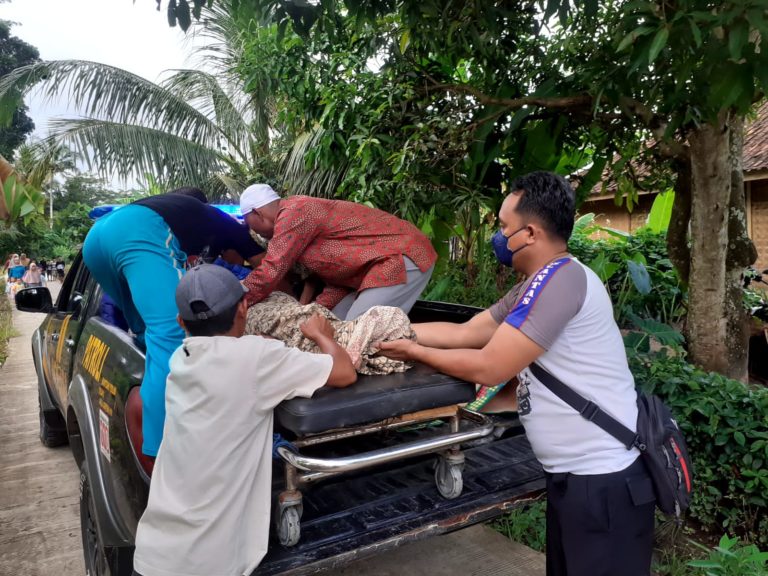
{"x":675,"y":548}
{"x":6,"y":325}
{"x":525,"y":525}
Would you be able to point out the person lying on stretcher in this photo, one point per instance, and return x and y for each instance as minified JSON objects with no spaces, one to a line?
{"x":281,"y":316}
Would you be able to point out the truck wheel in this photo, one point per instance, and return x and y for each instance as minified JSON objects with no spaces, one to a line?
{"x":51,"y":435}
{"x":448,"y":479}
{"x":289,"y":526}
{"x":96,"y":562}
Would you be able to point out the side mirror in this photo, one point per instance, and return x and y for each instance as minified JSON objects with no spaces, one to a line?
{"x":34,"y":300}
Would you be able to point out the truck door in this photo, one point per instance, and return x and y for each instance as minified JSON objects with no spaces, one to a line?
{"x":65,"y":326}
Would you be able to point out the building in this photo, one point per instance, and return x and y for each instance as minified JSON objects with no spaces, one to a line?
{"x":755,"y":184}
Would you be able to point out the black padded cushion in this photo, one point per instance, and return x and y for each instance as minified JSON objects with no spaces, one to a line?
{"x":371,"y":399}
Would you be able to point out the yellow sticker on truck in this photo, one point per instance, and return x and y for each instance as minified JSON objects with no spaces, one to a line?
{"x":95,"y":356}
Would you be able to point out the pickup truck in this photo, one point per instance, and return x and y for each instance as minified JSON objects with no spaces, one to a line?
{"x":89,"y":372}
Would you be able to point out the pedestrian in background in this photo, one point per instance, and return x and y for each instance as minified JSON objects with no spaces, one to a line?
{"x":32,"y":278}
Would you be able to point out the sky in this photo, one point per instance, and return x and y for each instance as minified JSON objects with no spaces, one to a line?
{"x":125,"y":33}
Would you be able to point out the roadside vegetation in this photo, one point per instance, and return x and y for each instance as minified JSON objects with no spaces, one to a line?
{"x":6,"y":323}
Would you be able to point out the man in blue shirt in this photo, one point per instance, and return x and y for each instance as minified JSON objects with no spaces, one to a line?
{"x":138,"y":255}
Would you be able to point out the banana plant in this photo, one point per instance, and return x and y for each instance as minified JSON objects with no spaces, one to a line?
{"x":19,"y":200}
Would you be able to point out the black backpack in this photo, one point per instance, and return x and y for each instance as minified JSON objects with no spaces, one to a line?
{"x":658,"y":438}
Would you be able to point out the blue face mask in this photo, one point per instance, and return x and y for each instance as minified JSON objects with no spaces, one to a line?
{"x":500,"y":248}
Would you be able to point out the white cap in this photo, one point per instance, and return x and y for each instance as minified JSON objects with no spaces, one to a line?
{"x":256,"y":196}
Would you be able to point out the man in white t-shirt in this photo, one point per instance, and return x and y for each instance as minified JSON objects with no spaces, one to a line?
{"x":209,"y":499}
{"x":600,"y":501}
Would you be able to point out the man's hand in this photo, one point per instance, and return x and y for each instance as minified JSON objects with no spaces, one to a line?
{"x":319,"y":330}
{"x":317,"y":327}
{"x":398,"y":349}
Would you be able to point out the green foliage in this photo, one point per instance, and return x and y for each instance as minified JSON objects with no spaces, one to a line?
{"x":636,"y":270}
{"x":729,"y":558}
{"x":36,"y":239}
{"x":480,"y":284}
{"x":725,"y":423}
{"x":72,"y":225}
{"x":661,"y":212}
{"x":14,"y":53}
{"x":40,"y":161}
{"x":715,"y":48}
{"x":87,"y":190}
{"x":6,"y":324}
{"x":526,"y":524}
{"x":182,"y":11}
{"x":389,"y":105}
{"x":20,"y":200}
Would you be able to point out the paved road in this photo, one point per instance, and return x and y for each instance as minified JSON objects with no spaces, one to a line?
{"x":39,"y":513}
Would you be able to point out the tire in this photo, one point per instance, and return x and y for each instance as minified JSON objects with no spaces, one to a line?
{"x":96,"y":560}
{"x":53,"y":431}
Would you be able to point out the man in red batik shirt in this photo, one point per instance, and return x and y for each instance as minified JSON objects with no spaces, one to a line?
{"x":365,"y":257}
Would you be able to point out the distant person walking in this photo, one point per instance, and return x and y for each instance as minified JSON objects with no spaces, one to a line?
{"x":32,"y":278}
{"x":60,"y":266}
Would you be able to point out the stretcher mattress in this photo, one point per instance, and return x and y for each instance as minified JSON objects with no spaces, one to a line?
{"x":371,"y":399}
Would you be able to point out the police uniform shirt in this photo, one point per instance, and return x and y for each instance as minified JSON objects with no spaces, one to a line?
{"x":565,"y":309}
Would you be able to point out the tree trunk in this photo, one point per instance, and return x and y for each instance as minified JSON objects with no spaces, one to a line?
{"x":711,"y":179}
{"x":741,"y":253}
{"x":677,"y":233}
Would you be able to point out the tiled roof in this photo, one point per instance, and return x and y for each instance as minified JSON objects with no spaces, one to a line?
{"x":755,"y":152}
{"x":756,"y":141}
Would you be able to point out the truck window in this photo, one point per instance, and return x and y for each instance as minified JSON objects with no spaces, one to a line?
{"x":79,"y":294}
{"x":73,"y":288}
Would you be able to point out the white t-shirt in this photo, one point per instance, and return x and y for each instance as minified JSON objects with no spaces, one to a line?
{"x":566,"y":310}
{"x":209,"y":499}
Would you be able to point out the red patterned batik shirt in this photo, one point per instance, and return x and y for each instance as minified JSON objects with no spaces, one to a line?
{"x":349,"y":246}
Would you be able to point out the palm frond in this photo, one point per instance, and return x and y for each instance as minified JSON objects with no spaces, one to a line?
{"x":203,"y":91}
{"x":311,"y":180}
{"x":220,"y":50}
{"x":101,"y":91}
{"x":113,"y":148}
{"x":39,"y":161}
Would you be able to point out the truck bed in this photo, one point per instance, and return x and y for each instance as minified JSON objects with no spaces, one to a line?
{"x":355,"y":516}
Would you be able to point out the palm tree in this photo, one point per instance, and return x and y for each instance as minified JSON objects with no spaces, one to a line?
{"x":40,"y":162}
{"x":194,"y":128}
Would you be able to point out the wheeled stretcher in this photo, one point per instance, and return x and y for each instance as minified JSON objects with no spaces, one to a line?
{"x":374,"y":405}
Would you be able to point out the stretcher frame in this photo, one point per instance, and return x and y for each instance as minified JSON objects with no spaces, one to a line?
{"x":301,"y":470}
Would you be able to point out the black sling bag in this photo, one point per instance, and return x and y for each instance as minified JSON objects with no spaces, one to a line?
{"x":658,"y":438}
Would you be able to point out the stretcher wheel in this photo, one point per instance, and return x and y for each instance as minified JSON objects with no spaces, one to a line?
{"x":448,"y":478}
{"x":289,"y":526}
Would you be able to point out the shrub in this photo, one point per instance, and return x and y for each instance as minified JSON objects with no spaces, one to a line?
{"x":526,"y":524}
{"x":6,"y":325}
{"x":482,"y":286}
{"x":729,"y":558}
{"x":636,"y":270}
{"x":725,"y":423}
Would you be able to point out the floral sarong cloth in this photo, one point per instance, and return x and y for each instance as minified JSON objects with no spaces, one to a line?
{"x":280,"y":315}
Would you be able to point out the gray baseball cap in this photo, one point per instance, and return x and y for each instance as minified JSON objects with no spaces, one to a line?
{"x":206,"y":291}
